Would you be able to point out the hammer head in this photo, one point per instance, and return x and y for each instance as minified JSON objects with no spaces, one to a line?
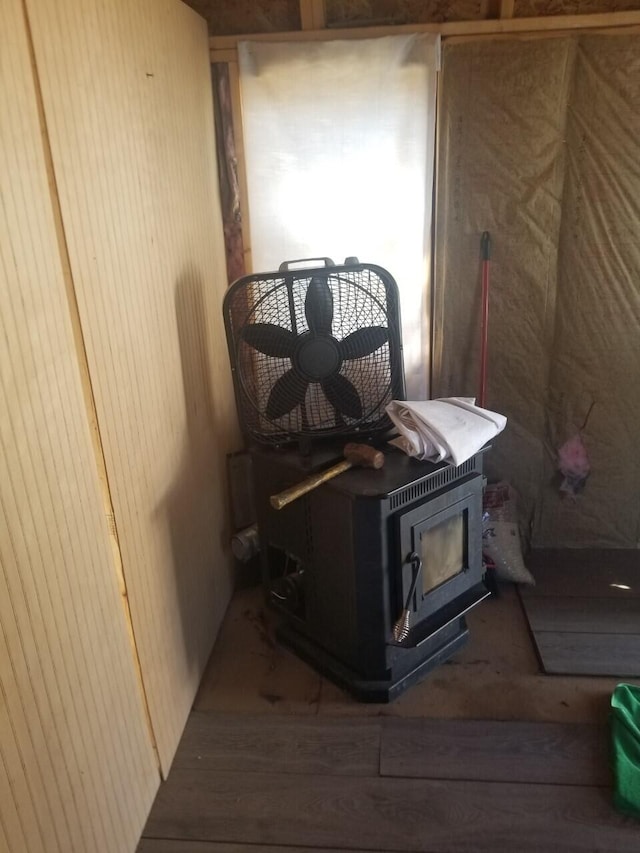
{"x":363,"y":456}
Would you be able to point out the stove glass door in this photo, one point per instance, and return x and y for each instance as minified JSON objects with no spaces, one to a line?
{"x":445,"y":532}
{"x":442,"y":550}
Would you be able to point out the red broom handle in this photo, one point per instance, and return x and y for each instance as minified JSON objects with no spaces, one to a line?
{"x":485,"y":253}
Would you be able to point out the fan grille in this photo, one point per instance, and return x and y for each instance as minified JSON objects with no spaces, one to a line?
{"x":363,"y":298}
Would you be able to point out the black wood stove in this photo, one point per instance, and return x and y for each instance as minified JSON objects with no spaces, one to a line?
{"x":343,"y":563}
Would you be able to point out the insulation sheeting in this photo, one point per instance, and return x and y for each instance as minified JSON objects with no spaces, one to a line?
{"x":538,"y":145}
{"x":596,"y":347}
{"x":535,"y":8}
{"x":248,"y":16}
{"x":501,"y":169}
{"x":347,"y":12}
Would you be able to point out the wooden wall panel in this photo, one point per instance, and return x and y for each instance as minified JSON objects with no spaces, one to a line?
{"x":128,"y":104}
{"x":77,"y":769}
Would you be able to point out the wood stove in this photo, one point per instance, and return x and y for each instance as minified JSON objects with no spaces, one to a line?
{"x":373,"y":572}
{"x":343,"y":563}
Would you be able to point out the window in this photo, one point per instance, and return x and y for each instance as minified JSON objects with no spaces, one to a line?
{"x":339,"y":142}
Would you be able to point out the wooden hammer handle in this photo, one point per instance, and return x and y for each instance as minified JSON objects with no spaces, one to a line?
{"x":294,"y":492}
{"x":361,"y":455}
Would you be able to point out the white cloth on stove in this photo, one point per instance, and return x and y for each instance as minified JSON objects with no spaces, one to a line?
{"x":450,"y":429}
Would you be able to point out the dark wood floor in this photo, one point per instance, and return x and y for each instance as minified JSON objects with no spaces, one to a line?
{"x":286,"y":784}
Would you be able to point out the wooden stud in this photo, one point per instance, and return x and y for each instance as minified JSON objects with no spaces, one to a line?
{"x":229,"y":55}
{"x":236,"y":115}
{"x":313,"y":14}
{"x":540,"y":35}
{"x":506,"y":9}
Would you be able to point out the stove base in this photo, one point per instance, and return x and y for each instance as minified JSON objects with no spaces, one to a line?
{"x":435,"y":651}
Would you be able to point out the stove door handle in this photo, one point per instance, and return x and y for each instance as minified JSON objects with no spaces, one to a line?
{"x":402,"y":627}
{"x":416,"y":564}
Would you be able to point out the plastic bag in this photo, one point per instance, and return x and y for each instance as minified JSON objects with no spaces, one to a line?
{"x":501,"y":546}
{"x":573,"y":464}
{"x":625,"y":743}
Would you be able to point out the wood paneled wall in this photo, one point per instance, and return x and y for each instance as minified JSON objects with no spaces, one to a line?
{"x":77,"y":769}
{"x":116,"y":411}
{"x":127,"y":100}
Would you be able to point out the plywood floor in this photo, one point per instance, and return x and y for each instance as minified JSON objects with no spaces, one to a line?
{"x":496,"y":676}
{"x":485,"y":754}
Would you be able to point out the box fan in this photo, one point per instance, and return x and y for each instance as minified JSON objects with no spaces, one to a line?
{"x":314,"y":351}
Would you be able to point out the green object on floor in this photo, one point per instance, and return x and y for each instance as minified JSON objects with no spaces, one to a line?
{"x":625,"y":743}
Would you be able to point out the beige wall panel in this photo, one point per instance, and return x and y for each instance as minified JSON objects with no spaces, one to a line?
{"x":127,"y":98}
{"x":77,"y":769}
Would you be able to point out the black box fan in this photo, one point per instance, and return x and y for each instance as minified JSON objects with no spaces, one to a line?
{"x":315,"y":351}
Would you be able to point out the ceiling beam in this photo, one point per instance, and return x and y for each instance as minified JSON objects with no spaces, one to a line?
{"x":552,"y":24}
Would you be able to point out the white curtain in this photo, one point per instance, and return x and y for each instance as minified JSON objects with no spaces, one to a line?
{"x":339,"y":147}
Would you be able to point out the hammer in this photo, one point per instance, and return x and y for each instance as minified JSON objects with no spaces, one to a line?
{"x":355,"y":455}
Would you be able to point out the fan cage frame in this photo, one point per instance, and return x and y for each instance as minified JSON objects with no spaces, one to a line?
{"x":358,"y":284}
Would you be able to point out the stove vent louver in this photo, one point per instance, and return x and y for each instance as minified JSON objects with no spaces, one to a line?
{"x":440,"y":479}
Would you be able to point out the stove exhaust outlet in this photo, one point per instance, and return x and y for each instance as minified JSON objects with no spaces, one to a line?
{"x":245,"y":544}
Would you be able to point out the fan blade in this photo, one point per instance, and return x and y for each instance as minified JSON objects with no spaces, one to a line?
{"x":287,"y":393}
{"x":269,"y":339}
{"x":318,"y":306}
{"x":342,"y":396}
{"x":363,"y":342}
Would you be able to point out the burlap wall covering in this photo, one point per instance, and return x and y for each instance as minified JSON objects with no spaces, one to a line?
{"x":540,"y":144}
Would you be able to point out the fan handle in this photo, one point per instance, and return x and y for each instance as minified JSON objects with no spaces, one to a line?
{"x":285,"y":266}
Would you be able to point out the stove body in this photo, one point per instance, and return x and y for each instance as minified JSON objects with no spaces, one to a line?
{"x":343,"y":562}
